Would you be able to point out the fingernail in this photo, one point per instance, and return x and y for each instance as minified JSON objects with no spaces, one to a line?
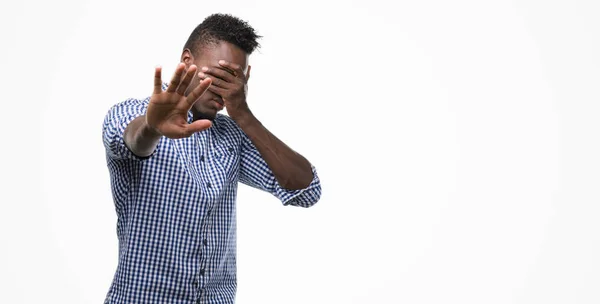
{"x":204,"y":69}
{"x":221,"y":61}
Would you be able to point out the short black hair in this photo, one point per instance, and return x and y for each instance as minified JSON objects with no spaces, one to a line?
{"x":223,"y":27}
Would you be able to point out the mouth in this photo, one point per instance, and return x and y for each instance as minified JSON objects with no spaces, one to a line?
{"x":219,"y":104}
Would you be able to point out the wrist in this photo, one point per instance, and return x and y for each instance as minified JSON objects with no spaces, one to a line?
{"x":148,"y":130}
{"x":242,"y":117}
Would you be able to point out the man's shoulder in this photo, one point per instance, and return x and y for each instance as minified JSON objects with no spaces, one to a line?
{"x":134,"y":102}
{"x":227,"y":126}
{"x":129,"y":104}
{"x":126,"y":108}
{"x":226,"y":121}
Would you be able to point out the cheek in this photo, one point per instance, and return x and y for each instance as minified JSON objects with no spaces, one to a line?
{"x":208,"y":95}
{"x":205,"y":101}
{"x":191,"y":86}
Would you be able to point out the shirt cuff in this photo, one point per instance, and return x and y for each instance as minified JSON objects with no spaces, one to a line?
{"x":120,"y":148}
{"x":306,"y":197}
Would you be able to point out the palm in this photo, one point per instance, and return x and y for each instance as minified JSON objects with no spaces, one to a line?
{"x":167,"y":110}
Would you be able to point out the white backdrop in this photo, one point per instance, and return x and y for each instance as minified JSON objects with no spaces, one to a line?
{"x":457,"y":143}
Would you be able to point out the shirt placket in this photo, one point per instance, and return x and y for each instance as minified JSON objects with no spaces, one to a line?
{"x":206,"y":170}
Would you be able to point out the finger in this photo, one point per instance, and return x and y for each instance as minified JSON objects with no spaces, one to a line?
{"x":186,"y":80}
{"x":216,"y":81}
{"x":217,"y":90}
{"x":183,"y":129}
{"x":219,"y":73}
{"x":197,"y":126}
{"x":236,"y":68}
{"x":198,"y":91}
{"x":157,"y":80}
{"x":176,"y":78}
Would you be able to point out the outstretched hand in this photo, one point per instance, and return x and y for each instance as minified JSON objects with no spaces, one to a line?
{"x":168,"y":110}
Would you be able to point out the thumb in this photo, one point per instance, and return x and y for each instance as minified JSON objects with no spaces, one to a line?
{"x":197,"y":126}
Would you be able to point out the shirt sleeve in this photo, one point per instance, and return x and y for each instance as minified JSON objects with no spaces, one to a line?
{"x":115,"y":122}
{"x":255,"y":172}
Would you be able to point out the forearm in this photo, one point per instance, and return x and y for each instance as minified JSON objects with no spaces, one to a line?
{"x":291,"y":169}
{"x":140,"y":138}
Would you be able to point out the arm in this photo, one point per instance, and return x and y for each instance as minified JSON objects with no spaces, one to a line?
{"x":133,"y":129}
{"x":140,"y":138}
{"x":116,"y":123}
{"x":255,"y":172}
{"x":291,"y":170}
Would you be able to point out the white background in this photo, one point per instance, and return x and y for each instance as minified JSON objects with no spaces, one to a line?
{"x":457,"y":143}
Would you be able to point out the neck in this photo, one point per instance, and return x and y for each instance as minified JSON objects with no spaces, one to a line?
{"x":197,"y":116}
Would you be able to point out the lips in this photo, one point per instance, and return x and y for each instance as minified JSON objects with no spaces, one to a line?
{"x":219,"y":104}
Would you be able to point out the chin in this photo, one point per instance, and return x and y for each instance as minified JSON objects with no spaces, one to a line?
{"x":209,"y":114}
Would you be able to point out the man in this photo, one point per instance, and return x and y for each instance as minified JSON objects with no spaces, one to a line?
{"x":175,"y":163}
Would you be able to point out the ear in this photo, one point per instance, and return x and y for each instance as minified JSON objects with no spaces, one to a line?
{"x":187,"y":57}
{"x":248,"y":73}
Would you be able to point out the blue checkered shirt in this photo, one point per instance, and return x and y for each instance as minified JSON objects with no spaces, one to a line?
{"x":176,"y":211}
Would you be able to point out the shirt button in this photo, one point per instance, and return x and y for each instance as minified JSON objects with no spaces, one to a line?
{"x":201,"y":157}
{"x":208,"y":213}
{"x":202,"y":272}
{"x":208,"y":185}
{"x":205,"y":242}
{"x":230,"y":149}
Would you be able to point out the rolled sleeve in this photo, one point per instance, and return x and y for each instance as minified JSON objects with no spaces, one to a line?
{"x":115,"y":122}
{"x":303,"y":197}
{"x":255,"y":172}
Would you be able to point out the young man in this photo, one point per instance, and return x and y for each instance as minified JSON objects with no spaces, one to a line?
{"x":175,"y":163}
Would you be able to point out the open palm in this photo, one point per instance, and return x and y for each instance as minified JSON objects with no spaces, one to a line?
{"x":168,"y":110}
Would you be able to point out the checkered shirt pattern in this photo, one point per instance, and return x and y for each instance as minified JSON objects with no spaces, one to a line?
{"x":176,"y":210}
